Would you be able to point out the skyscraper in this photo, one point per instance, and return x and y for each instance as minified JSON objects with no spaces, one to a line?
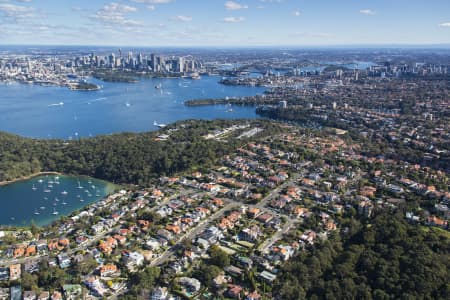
{"x":181,"y":64}
{"x":112,"y":60}
{"x":153,"y":62}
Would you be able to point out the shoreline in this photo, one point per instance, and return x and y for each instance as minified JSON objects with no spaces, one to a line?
{"x":108,"y":189}
{"x":23,"y":178}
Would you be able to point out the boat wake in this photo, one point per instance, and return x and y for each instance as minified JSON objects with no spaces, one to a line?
{"x":97,"y":100}
{"x":159,"y":125}
{"x":56,"y":104}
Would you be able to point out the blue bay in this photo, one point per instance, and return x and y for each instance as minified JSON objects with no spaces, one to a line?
{"x":56,"y":112}
{"x":44,"y":199}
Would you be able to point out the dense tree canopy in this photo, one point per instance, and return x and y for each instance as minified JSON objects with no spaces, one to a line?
{"x":121,"y":158}
{"x":218,"y":257}
{"x":143,"y":282}
{"x":385,"y":258}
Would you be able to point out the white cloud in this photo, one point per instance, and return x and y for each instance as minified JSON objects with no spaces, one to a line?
{"x":271,"y":1}
{"x":296,"y":13}
{"x":231,"y":5}
{"x":368,"y":12}
{"x":152,"y":1}
{"x":119,"y":8}
{"x":311,"y":35}
{"x":447,"y":24}
{"x":234,"y":19}
{"x":151,"y":7}
{"x":114,"y":14}
{"x":182,"y":18}
{"x":15,"y":11}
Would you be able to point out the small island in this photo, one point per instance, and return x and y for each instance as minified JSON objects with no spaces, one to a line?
{"x":205,"y":102}
{"x":84,"y":86}
{"x":112,"y":76}
{"x":246,"y":101}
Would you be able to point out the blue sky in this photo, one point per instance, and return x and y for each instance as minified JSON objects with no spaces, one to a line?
{"x":225,"y":23}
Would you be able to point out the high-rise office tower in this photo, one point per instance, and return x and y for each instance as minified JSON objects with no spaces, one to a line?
{"x":181,"y":64}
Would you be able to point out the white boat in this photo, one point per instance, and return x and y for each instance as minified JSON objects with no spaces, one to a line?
{"x":159,"y":125}
{"x":36,"y":212}
{"x":81,"y":200}
{"x":79,"y":185}
{"x":64,"y":193}
{"x":40,"y":181}
{"x":34,"y":188}
{"x":63,"y":203}
{"x":56,"y":199}
{"x":56,"y":104}
{"x":55,"y":212}
{"x":47,"y":191}
{"x":42,"y":207}
{"x":195,"y":76}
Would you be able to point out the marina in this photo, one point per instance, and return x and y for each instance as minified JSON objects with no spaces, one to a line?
{"x":32,"y":201}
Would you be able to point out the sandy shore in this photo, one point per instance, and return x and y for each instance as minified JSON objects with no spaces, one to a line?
{"x":2,"y":183}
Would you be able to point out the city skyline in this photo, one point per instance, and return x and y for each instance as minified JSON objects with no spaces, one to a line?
{"x":150,"y":23}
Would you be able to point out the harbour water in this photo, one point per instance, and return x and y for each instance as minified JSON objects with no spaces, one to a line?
{"x":43,"y":199}
{"x":57,"y":112}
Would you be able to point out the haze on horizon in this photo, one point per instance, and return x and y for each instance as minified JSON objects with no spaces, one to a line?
{"x":225,"y":23}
